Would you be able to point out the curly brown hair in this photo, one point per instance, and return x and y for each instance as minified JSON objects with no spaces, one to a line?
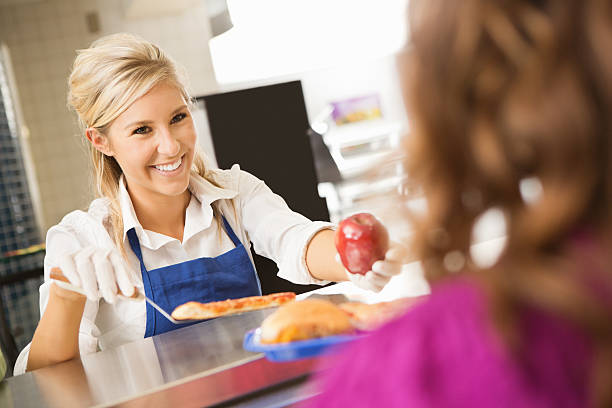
{"x":500,"y":91}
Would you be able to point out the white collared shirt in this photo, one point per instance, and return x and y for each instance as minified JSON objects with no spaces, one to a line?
{"x":254,"y":212}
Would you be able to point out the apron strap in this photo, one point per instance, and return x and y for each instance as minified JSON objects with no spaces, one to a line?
{"x":135,"y":245}
{"x":238,"y":243}
{"x":230,"y":232}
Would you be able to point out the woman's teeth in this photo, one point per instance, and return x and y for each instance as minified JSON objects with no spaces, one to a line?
{"x":170,"y":167}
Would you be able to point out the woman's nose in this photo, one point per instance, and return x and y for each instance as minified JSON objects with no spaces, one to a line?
{"x":168,"y":144}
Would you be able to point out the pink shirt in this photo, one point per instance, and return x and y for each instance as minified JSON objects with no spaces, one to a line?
{"x":445,"y":353}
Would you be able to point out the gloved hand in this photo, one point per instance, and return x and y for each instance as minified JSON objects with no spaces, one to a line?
{"x":99,"y":273}
{"x":382,"y":271}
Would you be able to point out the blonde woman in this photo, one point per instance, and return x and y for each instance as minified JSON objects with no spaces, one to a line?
{"x":163,"y":223}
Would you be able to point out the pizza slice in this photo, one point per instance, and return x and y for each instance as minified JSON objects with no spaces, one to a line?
{"x":197,"y":310}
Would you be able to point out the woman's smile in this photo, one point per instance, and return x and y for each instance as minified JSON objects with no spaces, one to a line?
{"x":169,"y":169}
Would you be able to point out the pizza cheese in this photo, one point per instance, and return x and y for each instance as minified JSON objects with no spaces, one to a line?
{"x":197,"y":310}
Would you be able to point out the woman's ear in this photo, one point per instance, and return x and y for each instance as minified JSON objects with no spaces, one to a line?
{"x":99,"y":141}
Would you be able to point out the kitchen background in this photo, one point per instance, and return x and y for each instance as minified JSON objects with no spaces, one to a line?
{"x":41,"y":38}
{"x":336,"y":56}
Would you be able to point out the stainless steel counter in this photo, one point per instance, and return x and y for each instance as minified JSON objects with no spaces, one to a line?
{"x":199,"y":365}
{"x":195,"y":366}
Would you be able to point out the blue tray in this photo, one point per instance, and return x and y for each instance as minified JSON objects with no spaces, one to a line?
{"x":296,"y":349}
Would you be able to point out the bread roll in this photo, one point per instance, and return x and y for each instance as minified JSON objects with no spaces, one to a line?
{"x":305,"y":319}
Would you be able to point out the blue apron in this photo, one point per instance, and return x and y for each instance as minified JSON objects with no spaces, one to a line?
{"x":229,"y":275}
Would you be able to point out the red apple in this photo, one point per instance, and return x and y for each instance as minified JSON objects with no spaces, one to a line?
{"x":361,"y":240}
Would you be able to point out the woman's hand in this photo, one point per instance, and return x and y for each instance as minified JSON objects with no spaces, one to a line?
{"x":98,"y":273}
{"x":382,"y":271}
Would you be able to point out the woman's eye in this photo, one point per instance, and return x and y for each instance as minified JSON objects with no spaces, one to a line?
{"x":141,"y":130}
{"x":178,"y":118}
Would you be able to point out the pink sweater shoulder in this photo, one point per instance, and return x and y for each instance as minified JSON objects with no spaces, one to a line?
{"x":445,"y":353}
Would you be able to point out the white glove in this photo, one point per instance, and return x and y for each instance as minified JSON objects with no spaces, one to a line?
{"x":382,"y":271}
{"x":98,"y":273}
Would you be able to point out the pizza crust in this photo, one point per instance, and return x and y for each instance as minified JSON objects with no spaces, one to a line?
{"x":197,"y":310}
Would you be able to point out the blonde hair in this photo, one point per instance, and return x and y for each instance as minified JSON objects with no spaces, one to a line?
{"x":106,"y":79}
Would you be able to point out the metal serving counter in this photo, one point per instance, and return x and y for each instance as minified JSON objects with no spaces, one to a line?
{"x":200,"y":365}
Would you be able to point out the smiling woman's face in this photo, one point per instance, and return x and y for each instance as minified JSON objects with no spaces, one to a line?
{"x":153,"y":141}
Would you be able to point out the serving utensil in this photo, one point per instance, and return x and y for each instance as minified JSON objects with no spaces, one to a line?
{"x":60,"y":280}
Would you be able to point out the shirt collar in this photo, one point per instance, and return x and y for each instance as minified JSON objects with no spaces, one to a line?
{"x":206,"y":192}
{"x":199,"y":217}
{"x":203,"y":191}
{"x":127,"y":210}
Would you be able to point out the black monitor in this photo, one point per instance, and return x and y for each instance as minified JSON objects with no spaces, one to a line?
{"x":265,"y":130}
